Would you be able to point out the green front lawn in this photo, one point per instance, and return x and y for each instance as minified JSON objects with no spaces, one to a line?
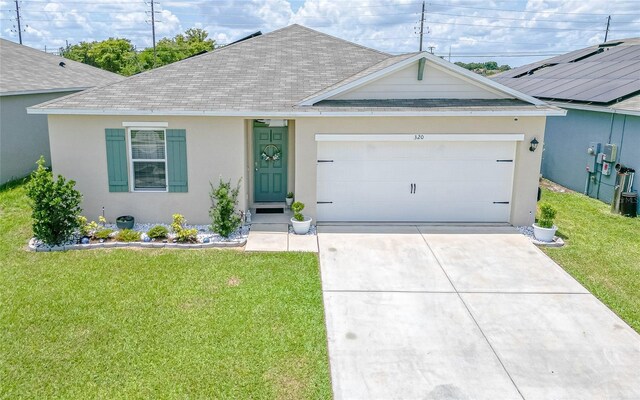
{"x":128,"y":323}
{"x":602,"y":251}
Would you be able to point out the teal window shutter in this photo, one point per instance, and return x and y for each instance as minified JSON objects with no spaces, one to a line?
{"x":177,"y":160}
{"x":117,"y":160}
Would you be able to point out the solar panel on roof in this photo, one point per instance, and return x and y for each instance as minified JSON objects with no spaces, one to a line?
{"x":594,"y":74}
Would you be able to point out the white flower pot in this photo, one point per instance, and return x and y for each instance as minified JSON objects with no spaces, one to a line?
{"x":301,"y":227}
{"x":289,"y":201}
{"x":544,"y":234}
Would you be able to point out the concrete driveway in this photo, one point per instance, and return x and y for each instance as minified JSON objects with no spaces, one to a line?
{"x":426,"y":312}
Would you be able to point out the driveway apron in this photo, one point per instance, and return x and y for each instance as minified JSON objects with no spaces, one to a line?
{"x":435,"y":312}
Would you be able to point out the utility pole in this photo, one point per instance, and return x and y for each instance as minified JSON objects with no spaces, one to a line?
{"x":18,"y":19}
{"x":422,"y":25}
{"x":153,"y":32}
{"x":431,"y":49}
{"x":449,"y":53}
{"x":606,"y":33}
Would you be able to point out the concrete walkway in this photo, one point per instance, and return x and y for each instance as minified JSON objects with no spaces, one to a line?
{"x":421,"y":312}
{"x":276,"y":237}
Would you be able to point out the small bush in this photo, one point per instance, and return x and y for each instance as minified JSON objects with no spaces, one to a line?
{"x":297,"y":208}
{"x":547,"y":215}
{"x":224,"y":218}
{"x":290,"y":195}
{"x":56,"y":206}
{"x":89,"y":229}
{"x":158,"y":232}
{"x":128,"y":235}
{"x":183,"y":234}
{"x":103,"y":233}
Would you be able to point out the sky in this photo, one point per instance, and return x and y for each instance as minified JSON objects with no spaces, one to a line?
{"x":514,"y":32}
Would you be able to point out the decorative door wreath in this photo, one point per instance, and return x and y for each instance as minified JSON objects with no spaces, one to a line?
{"x":275,"y":154}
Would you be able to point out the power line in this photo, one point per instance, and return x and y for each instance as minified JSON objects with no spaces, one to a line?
{"x":525,"y":11}
{"x":527,"y":27}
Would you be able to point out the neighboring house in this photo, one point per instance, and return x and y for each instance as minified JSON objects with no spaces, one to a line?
{"x":357,"y":134}
{"x":28,"y":77}
{"x":600,"y":88}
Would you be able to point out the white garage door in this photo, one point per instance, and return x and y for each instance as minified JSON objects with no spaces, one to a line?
{"x":415,"y":180}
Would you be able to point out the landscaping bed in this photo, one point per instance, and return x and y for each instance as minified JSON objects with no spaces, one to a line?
{"x":205,"y":237}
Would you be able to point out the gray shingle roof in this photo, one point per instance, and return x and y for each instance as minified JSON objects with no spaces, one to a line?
{"x":601,"y":74}
{"x":23,"y":69}
{"x":269,"y":72}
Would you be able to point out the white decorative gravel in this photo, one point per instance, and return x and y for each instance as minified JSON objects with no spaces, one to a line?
{"x":206,"y":238}
{"x":312,"y":231}
{"x":527,"y":230}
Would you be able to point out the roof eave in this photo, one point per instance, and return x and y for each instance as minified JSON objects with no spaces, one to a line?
{"x":593,"y":107}
{"x":44,"y":91}
{"x":546,"y":111}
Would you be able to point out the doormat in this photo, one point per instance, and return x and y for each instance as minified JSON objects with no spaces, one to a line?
{"x":269,"y":210}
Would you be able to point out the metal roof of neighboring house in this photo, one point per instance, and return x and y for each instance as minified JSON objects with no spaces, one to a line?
{"x":602,"y":74}
{"x":27,"y":70}
{"x":270,"y":74}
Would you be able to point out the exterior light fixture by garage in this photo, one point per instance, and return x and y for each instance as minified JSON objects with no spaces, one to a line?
{"x":534,"y":145}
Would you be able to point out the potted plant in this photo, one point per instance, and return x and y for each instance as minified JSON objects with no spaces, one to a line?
{"x":545,"y":230}
{"x":301,"y":224}
{"x":289,"y":199}
{"x":125,"y":222}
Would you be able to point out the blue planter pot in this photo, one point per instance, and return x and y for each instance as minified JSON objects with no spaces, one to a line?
{"x":125,"y":222}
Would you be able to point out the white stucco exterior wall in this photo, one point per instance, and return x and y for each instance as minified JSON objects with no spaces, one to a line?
{"x":221,"y":146}
{"x":526,"y":169}
{"x":215,"y":147}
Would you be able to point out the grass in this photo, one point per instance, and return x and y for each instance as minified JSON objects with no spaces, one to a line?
{"x":126,"y":323}
{"x":602,"y":251}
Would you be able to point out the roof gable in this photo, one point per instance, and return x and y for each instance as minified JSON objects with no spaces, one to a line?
{"x":417,"y":76}
{"x":26,"y":70}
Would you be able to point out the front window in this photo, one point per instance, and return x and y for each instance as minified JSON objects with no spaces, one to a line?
{"x":148,"y":159}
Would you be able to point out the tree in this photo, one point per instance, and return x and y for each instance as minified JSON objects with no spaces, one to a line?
{"x":79,"y":52}
{"x":486,"y":68}
{"x":115,"y":55}
{"x":119,"y":55}
{"x":181,"y":46}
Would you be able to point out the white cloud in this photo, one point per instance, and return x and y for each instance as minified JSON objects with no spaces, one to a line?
{"x":479,"y":29}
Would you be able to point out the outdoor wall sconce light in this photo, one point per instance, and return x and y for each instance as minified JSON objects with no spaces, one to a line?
{"x":534,"y":145}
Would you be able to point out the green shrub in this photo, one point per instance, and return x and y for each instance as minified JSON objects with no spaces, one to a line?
{"x":547,"y":215}
{"x":56,"y":206}
{"x":224,"y":218}
{"x":103,"y":233}
{"x":290,"y":195}
{"x":90,"y":228}
{"x":183,"y":234}
{"x":128,"y":235}
{"x":297,"y":207}
{"x":158,"y":232}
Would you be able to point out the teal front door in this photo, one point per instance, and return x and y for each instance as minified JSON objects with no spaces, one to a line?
{"x":270,"y":163}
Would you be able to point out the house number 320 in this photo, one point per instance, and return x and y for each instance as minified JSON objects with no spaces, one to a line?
{"x":418,"y":137}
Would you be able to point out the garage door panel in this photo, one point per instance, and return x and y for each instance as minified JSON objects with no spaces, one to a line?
{"x":410,"y":150}
{"x":360,"y":211}
{"x":414,"y":170}
{"x":454,"y":181}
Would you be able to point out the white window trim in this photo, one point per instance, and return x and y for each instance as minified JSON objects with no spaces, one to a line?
{"x":146,"y":124}
{"x":132,"y":187}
